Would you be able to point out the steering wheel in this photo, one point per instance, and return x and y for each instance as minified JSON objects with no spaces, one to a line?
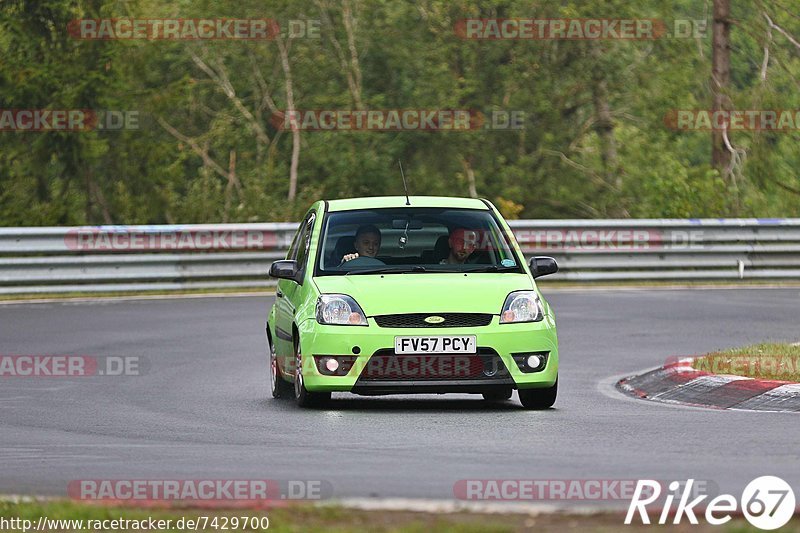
{"x":362,"y":261}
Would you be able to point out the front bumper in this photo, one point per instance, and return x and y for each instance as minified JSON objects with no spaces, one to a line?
{"x":504,"y":340}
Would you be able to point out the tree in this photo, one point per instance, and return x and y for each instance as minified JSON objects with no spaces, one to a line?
{"x":720,"y":84}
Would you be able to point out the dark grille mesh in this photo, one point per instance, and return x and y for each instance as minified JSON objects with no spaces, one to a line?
{"x":417,"y":320}
{"x":384,"y":365}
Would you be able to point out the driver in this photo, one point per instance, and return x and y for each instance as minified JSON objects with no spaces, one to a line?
{"x":367,"y":243}
{"x":462,"y":243}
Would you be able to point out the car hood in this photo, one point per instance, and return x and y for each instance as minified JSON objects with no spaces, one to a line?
{"x":426,"y":292}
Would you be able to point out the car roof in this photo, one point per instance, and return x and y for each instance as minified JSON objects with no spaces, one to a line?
{"x":372,"y":202}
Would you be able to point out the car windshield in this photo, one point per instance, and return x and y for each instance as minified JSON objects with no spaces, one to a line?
{"x":413,"y":240}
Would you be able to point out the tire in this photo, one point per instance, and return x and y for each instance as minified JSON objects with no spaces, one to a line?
{"x":497,"y":395}
{"x":539,"y":398}
{"x":302,"y":396}
{"x":279,"y":387}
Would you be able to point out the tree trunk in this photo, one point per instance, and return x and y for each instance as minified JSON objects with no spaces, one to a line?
{"x":294,"y":163}
{"x":720,"y":81}
{"x":354,"y":72}
{"x":350,"y":66}
{"x":604,"y":126}
{"x":232,"y":183}
{"x":470,"y":174}
{"x":287,"y":71}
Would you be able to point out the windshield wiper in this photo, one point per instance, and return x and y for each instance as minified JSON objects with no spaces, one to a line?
{"x":388,"y":270}
{"x":491,"y":268}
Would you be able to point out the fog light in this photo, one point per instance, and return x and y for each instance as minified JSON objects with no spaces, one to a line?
{"x":334,"y":365}
{"x":331,"y":364}
{"x":528,"y":362}
{"x":534,"y":361}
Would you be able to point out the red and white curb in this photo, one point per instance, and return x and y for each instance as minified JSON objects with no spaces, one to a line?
{"x":679,"y":383}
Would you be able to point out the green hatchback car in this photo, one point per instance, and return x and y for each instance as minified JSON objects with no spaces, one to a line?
{"x":420,"y":294}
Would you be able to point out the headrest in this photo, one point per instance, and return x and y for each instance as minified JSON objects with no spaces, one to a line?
{"x":441,"y":249}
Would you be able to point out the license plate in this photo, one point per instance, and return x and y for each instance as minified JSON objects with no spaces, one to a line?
{"x":437,"y":344}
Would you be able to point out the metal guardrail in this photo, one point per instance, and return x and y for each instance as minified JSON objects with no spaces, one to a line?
{"x":133,"y":258}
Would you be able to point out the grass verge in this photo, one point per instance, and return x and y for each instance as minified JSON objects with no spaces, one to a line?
{"x":772,"y":360}
{"x":338,"y":519}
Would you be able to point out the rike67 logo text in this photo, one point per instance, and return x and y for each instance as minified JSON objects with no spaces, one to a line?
{"x":767,"y":502}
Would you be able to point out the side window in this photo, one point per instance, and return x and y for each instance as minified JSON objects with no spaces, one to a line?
{"x":292,"y":253}
{"x":304,"y":242}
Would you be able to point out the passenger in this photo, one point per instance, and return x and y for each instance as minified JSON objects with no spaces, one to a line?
{"x":462,"y":243}
{"x":367,"y":243}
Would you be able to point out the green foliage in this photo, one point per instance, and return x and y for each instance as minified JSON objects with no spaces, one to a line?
{"x":207,"y":151}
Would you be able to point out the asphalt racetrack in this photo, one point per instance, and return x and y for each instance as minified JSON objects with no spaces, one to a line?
{"x":203,"y":410}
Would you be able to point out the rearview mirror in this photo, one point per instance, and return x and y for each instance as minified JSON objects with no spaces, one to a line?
{"x":543,"y":265}
{"x":285,"y":269}
{"x":400,"y":223}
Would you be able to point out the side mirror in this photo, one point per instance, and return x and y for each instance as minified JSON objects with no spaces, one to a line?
{"x":543,"y":265}
{"x":285,"y":269}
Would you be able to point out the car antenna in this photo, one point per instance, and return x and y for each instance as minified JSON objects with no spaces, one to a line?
{"x":405,"y":187}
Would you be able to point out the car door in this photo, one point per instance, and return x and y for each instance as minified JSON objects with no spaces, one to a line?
{"x":288,"y":293}
{"x":282,"y":335}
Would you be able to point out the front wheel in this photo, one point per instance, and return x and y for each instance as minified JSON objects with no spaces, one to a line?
{"x":279,"y":387}
{"x":539,"y":398}
{"x":302,"y":396}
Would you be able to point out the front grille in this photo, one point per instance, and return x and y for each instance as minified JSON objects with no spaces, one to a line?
{"x":385,"y":365}
{"x":417,"y":320}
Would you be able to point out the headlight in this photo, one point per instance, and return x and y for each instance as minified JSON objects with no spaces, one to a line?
{"x":339,"y":309}
{"x":522,"y":306}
